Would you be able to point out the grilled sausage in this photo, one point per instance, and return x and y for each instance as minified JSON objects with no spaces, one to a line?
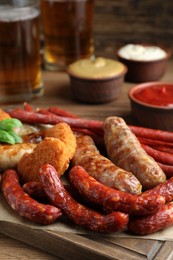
{"x":101,"y":168}
{"x":124,"y":149}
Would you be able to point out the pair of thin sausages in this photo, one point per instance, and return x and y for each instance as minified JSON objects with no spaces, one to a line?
{"x":29,"y":208}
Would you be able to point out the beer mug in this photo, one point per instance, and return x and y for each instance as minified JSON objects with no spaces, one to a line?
{"x":20,"y":73}
{"x":68,"y":31}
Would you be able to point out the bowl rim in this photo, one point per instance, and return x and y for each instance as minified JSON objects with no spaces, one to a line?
{"x":121,"y":74}
{"x":146,"y":85}
{"x":166,"y":49}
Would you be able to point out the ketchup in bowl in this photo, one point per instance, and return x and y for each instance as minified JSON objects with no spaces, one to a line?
{"x":156,"y":95}
{"x":152,"y":105}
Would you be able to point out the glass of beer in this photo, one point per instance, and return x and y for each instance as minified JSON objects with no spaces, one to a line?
{"x":68,"y":31}
{"x":20,"y":72}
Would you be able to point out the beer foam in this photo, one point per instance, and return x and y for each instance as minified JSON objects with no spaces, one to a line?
{"x":12,"y":14}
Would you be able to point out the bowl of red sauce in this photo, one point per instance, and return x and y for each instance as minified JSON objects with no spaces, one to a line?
{"x":152,"y":105}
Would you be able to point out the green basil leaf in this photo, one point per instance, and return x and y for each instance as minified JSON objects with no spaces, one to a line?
{"x":9,"y":124}
{"x":5,"y":137}
{"x":17,"y":138}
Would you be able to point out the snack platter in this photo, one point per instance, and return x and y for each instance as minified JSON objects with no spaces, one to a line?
{"x":81,"y":243}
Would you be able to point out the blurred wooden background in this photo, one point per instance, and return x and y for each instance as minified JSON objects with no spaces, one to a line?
{"x":117,"y":22}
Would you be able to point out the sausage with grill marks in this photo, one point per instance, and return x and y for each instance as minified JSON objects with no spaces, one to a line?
{"x":124,"y":150}
{"x":101,"y":168}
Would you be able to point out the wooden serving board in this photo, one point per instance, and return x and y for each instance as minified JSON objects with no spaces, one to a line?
{"x":73,"y":246}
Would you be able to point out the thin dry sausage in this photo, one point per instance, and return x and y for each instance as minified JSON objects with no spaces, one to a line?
{"x":34,"y":189}
{"x":36,"y":118}
{"x":160,"y":220}
{"x":112,"y":199}
{"x":164,"y":189}
{"x":78,"y":213}
{"x":23,"y":204}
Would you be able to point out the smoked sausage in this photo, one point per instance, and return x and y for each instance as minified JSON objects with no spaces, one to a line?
{"x":78,"y":213}
{"x":34,"y":189}
{"x":124,"y":150}
{"x":101,"y":168}
{"x":160,"y":220}
{"x":164,"y":189}
{"x":112,"y":199}
{"x":23,"y":204}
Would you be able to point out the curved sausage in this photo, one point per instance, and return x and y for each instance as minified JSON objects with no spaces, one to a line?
{"x":34,"y":189}
{"x":23,"y":204}
{"x":164,"y":189}
{"x":159,"y":156}
{"x":52,"y":119}
{"x":124,"y":149}
{"x":78,"y":213}
{"x":101,"y":168}
{"x":162,"y":219}
{"x":112,"y":199}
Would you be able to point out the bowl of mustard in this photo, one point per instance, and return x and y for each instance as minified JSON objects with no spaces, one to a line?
{"x":97,"y":80}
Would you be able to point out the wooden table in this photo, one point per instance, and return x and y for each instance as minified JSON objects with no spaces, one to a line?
{"x":66,"y":246}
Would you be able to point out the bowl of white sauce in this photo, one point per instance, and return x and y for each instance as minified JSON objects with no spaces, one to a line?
{"x":144,"y":62}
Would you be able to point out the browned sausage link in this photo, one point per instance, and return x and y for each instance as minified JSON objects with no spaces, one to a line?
{"x":34,"y":189}
{"x":112,"y":199}
{"x":160,"y":220}
{"x":102,"y":169}
{"x":125,"y":151}
{"x":23,"y":204}
{"x":78,"y":213}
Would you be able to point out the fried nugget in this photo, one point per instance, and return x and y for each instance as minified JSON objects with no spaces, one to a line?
{"x":50,"y":150}
{"x":63,"y":132}
{"x":57,"y":149}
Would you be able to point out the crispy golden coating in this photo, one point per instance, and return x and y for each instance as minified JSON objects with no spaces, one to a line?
{"x":4,"y":115}
{"x":63,"y":132}
{"x":50,"y":150}
{"x":57,"y":151}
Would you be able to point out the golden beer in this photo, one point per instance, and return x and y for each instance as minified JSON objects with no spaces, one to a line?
{"x":20,"y":75}
{"x":68,"y":31}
